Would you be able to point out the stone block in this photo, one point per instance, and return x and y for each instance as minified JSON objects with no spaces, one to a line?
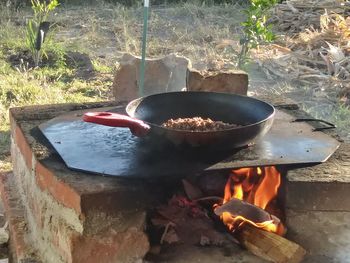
{"x":323,"y":187}
{"x":317,"y":208}
{"x":324,"y":234}
{"x":120,"y":239}
{"x":161,"y":75}
{"x":233,"y":81}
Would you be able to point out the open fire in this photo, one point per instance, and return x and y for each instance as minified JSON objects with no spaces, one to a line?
{"x":249,"y":208}
{"x":249,"y":199}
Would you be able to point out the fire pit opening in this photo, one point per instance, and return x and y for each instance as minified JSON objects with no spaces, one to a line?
{"x":223,"y":209}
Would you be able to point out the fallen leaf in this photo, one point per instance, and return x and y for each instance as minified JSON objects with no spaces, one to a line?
{"x":170,"y":237}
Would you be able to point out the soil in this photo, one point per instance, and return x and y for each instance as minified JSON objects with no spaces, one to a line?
{"x":75,"y":60}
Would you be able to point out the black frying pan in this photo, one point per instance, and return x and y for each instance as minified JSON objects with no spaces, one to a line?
{"x":148,"y":113}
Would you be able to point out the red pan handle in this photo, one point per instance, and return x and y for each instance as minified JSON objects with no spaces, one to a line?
{"x":137,"y":127}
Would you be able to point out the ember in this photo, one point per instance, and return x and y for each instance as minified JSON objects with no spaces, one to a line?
{"x":248,"y":192}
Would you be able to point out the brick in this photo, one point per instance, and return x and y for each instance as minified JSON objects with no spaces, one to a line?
{"x":233,"y":81}
{"x":121,"y":237}
{"x":62,"y":192}
{"x":129,"y":197}
{"x":20,"y":251}
{"x":37,"y":212}
{"x":124,"y":247}
{"x":50,"y":224}
{"x":51,"y":189}
{"x":23,"y":146}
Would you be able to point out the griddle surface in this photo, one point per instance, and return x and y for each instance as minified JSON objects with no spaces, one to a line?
{"x":113,"y":151}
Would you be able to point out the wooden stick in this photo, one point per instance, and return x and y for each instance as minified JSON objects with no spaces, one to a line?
{"x":270,"y":246}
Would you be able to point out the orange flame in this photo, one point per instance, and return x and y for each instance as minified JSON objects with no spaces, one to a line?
{"x":258,"y":186}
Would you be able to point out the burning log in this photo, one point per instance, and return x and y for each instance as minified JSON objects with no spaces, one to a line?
{"x":237,"y":212}
{"x":248,"y":192}
{"x":247,"y":209}
{"x":248,"y":229}
{"x":269,"y":246}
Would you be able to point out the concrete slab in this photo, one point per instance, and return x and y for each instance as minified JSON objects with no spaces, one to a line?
{"x":324,"y":234}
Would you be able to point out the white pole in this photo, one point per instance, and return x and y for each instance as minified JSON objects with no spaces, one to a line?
{"x":144,"y":40}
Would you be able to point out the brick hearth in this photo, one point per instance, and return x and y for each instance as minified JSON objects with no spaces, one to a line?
{"x":59,"y":215}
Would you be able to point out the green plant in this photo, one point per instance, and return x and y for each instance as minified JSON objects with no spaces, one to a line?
{"x":256,"y":31}
{"x":38,"y":26}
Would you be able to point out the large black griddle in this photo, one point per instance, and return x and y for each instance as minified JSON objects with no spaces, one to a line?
{"x":114,"y":151}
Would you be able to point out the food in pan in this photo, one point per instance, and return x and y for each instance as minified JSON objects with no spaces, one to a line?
{"x":197,"y":124}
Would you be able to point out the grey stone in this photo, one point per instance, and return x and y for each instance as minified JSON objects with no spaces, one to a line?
{"x":185,"y":253}
{"x":232,"y":81}
{"x":322,"y":187}
{"x":325,"y":235}
{"x":161,"y":75}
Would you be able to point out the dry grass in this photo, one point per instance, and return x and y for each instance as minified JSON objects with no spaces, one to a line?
{"x":313,"y":54}
{"x":191,"y":30}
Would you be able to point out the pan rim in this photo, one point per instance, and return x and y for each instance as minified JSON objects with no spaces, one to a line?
{"x":139,"y":100}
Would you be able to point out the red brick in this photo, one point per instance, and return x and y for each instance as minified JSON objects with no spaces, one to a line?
{"x":36,"y":212}
{"x":23,"y":146}
{"x":111,"y":247}
{"x":64,"y":194}
{"x":45,"y":179}
{"x":63,"y":252}
{"x":15,"y":216}
{"x":12,"y":121}
{"x":20,"y":140}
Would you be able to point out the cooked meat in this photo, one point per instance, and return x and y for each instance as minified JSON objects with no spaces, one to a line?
{"x":197,"y":124}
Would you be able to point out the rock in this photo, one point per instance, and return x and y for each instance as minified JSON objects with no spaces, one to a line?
{"x":161,"y":75}
{"x":324,"y":234}
{"x":4,"y":234}
{"x":119,"y":239}
{"x":232,"y":81}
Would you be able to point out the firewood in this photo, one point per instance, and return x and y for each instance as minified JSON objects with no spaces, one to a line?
{"x":251,"y":212}
{"x":270,"y":246}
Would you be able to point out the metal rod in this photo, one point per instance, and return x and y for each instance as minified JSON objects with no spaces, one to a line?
{"x":144,"y":40}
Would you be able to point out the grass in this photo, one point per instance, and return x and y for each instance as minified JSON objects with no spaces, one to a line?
{"x":54,"y":82}
{"x":192,"y":29}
